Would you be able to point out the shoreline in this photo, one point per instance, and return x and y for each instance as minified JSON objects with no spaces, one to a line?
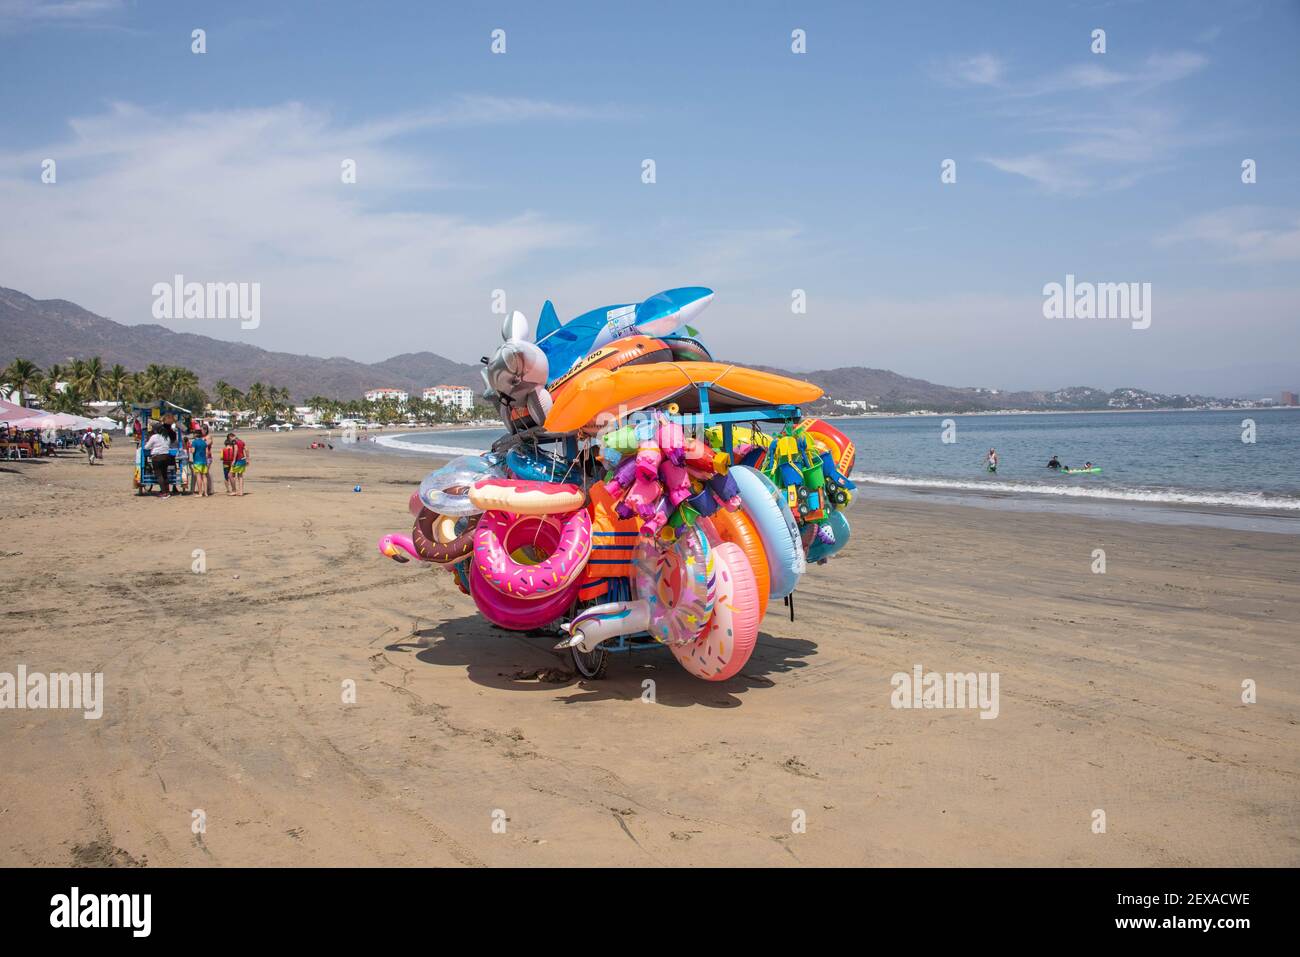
{"x":1160,"y":506}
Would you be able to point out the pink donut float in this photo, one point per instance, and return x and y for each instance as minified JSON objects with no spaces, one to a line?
{"x":728,"y":641}
{"x":565,"y":541}
{"x":523,"y":497}
{"x":514,"y":613}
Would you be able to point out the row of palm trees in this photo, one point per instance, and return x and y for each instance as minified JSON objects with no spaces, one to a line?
{"x":89,"y":380}
{"x":259,"y":403}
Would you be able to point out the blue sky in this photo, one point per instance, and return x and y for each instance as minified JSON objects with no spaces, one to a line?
{"x":775,"y":172}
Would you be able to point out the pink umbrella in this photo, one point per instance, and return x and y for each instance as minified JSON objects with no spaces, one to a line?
{"x":32,"y":422}
{"x":10,"y":412}
{"x":50,"y":420}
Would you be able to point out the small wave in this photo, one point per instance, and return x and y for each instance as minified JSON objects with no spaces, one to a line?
{"x":1174,"y":496}
{"x":396,"y":442}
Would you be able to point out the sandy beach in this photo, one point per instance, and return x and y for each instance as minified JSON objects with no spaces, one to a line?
{"x":1119,"y":692}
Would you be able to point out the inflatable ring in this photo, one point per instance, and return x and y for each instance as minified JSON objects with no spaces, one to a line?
{"x":738,"y":529}
{"x":538,"y":465}
{"x":686,"y":349}
{"x":776,"y":526}
{"x":512,"y":612}
{"x":728,"y":641}
{"x":826,"y":438}
{"x":436,"y":539}
{"x":565,"y":541}
{"x":819,"y":551}
{"x":678,"y":585}
{"x":460,"y":472}
{"x":526,"y":498}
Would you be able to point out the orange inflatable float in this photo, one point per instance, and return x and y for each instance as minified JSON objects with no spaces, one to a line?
{"x":631,"y":350}
{"x":593,"y":391}
{"x":736,"y":527}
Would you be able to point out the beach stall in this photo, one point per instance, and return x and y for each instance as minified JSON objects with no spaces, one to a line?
{"x":643,"y":494}
{"x":177,"y":420}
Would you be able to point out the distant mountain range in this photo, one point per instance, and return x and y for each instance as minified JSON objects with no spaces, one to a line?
{"x":55,"y":331}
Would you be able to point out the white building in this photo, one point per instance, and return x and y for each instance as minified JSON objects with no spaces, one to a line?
{"x":456,"y":396}
{"x":393,"y":395}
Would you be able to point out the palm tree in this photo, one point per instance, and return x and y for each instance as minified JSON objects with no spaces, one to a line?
{"x":54,"y":375}
{"x":90,"y":376}
{"x":48,"y":392}
{"x":23,"y":376}
{"x":117,"y":383}
{"x":153,"y":382}
{"x":257,"y":399}
{"x":71,"y":400}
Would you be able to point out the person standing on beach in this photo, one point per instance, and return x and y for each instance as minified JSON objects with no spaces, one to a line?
{"x":199,"y":466}
{"x":159,"y":457}
{"x":238,"y":465}
{"x":88,"y":446}
{"x":227,"y":460}
{"x":212,"y":454}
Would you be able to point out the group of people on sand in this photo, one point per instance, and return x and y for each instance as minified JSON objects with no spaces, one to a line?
{"x":93,"y":443}
{"x":197,"y":449}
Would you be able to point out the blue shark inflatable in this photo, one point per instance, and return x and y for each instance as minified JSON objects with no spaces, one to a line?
{"x":662,"y":315}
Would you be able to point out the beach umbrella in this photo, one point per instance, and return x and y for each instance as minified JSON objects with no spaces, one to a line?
{"x":37,"y":421}
{"x":10,"y":412}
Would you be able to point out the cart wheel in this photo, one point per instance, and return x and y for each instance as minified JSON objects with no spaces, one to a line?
{"x":590,"y":664}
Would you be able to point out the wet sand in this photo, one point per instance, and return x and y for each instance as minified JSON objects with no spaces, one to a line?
{"x":1119,"y":692}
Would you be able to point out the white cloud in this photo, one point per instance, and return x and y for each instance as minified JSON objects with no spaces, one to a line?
{"x":1156,"y":70}
{"x":983,"y":69}
{"x":18,"y":13}
{"x":256,"y":195}
{"x":1100,"y":127}
{"x":1245,"y":233}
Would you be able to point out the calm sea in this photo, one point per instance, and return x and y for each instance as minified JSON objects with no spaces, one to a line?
{"x":1188,"y":459}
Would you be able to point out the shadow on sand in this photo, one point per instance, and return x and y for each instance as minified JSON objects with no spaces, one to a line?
{"x":514,"y":661}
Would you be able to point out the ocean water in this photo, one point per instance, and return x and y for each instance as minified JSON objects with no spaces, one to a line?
{"x":1195,"y":459}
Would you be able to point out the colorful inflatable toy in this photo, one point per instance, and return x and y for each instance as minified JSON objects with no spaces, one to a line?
{"x":643,"y":494}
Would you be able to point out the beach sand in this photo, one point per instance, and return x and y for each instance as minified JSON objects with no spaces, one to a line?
{"x":1119,"y":692}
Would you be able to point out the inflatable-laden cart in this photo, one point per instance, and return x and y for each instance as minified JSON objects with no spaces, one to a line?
{"x":643,"y":494}
{"x":177,"y":421}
